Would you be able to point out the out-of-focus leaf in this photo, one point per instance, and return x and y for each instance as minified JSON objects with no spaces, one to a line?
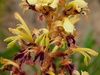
{"x":2,"y":35}
{"x":2,"y":8}
{"x":10,"y":52}
{"x":89,"y":41}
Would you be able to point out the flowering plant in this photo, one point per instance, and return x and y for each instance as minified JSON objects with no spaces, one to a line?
{"x":55,"y":41}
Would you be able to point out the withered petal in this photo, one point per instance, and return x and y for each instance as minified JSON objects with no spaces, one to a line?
{"x":39,"y":54}
{"x":57,"y":54}
{"x":54,"y":67}
{"x":69,"y":68}
{"x":18,"y":56}
{"x":46,"y":64}
{"x":65,"y":62}
{"x":70,"y":38}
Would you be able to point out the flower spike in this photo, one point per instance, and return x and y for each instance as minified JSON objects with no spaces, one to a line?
{"x":48,"y":48}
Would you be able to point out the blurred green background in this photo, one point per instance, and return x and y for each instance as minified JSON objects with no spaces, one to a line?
{"x":88,"y":32}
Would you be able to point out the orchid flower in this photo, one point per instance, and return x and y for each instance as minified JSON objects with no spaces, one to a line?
{"x":22,"y":32}
{"x":85,"y":52}
{"x":7,"y":62}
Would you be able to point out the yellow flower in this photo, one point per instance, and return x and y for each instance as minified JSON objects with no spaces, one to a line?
{"x":22,"y":32}
{"x":50,"y":73}
{"x":51,"y":3}
{"x":84,"y":73}
{"x":54,"y":4}
{"x":68,"y":26}
{"x":67,"y":23}
{"x":32,"y":2}
{"x":42,"y":2}
{"x":85,"y":52}
{"x":75,"y":5}
{"x":74,"y":18}
{"x":42,"y":36}
{"x":7,"y":62}
{"x":75,"y":72}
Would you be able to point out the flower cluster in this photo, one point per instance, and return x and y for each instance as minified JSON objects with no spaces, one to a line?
{"x":44,"y":45}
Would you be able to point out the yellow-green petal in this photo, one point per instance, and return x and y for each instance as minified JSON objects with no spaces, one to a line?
{"x":47,"y":40}
{"x":9,"y":39}
{"x":32,"y":2}
{"x":17,"y":16}
{"x":81,"y":3}
{"x":42,"y":42}
{"x":77,"y":3}
{"x":50,"y":73}
{"x":68,"y":26}
{"x":84,"y":73}
{"x":7,"y":62}
{"x":54,"y":4}
{"x":38,"y":39}
{"x":44,"y":30}
{"x":85,"y":52}
{"x":12,"y":43}
{"x":74,"y":18}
